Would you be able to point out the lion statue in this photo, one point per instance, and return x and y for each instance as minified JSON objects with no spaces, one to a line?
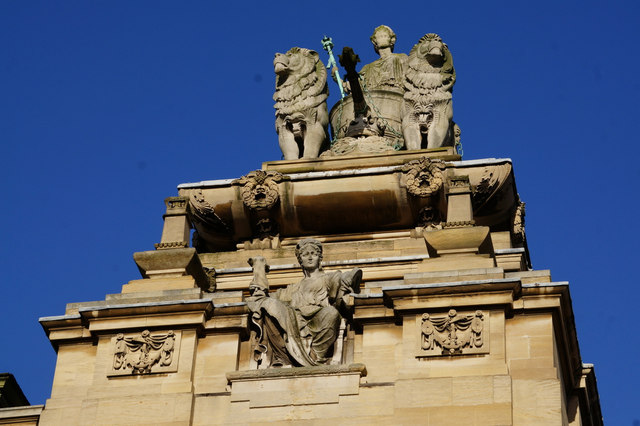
{"x":428,"y":80}
{"x":301,"y":108}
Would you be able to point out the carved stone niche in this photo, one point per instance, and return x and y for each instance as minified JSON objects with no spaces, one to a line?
{"x":144,"y":353}
{"x":453,"y":333}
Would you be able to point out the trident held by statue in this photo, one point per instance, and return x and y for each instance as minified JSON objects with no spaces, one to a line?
{"x":327,"y":44}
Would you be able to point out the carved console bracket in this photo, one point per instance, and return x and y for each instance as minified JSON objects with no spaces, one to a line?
{"x":144,"y":353}
{"x":453,"y":333}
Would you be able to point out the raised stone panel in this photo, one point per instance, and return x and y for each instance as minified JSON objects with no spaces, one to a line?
{"x":453,"y":333}
{"x":295,"y":386}
{"x":145,"y":353}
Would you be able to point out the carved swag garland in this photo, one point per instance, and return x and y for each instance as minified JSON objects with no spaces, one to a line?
{"x":141,"y":353}
{"x":452,"y":333}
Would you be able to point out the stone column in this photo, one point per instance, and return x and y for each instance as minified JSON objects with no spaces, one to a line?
{"x":176,"y":231}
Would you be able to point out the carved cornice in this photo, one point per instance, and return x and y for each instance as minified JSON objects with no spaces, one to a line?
{"x":176,"y":206}
{"x":171,"y":244}
{"x":423,"y":177}
{"x":259,"y":189}
{"x":459,"y":224}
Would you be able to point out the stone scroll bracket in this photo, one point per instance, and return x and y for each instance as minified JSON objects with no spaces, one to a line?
{"x":208,"y":225}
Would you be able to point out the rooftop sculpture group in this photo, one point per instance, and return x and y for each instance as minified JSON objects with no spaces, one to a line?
{"x":395,"y":102}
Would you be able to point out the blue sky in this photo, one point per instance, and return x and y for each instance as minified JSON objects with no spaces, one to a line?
{"x":105,"y":107}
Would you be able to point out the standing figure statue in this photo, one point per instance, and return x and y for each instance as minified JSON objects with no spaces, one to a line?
{"x":429,"y":80}
{"x":386,"y":73}
{"x":298,"y":325}
{"x":301,"y":107}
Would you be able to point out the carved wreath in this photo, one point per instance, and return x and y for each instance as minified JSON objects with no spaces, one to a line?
{"x":260,"y":189}
{"x":424,"y":177}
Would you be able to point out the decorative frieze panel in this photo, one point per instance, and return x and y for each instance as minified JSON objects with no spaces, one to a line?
{"x":145,"y":353}
{"x":453,"y":333}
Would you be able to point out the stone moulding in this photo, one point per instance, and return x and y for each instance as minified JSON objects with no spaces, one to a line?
{"x":320,"y":370}
{"x":453,"y":333}
{"x":145,"y":353}
{"x":423,"y":177}
{"x":287,"y":387}
{"x":259,"y":189}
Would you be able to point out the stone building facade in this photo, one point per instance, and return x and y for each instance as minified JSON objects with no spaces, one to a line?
{"x":385,"y":285}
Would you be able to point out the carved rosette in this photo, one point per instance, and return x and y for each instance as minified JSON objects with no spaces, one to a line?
{"x":259,"y":189}
{"x":453,"y":333}
{"x":423,"y":177}
{"x":145,"y":353}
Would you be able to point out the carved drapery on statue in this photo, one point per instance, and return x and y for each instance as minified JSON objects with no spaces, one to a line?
{"x":453,"y":334}
{"x":387,"y":72}
{"x":144,"y":353}
{"x":298,"y":325}
{"x":301,"y":109}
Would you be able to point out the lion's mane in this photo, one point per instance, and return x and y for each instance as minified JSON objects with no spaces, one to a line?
{"x":426,"y":82}
{"x":305,"y":84}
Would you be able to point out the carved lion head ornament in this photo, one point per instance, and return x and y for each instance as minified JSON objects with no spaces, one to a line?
{"x":259,"y":189}
{"x":423,"y":177}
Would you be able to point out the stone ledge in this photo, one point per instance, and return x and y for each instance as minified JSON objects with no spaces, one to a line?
{"x":21,"y":414}
{"x":280,"y":373}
